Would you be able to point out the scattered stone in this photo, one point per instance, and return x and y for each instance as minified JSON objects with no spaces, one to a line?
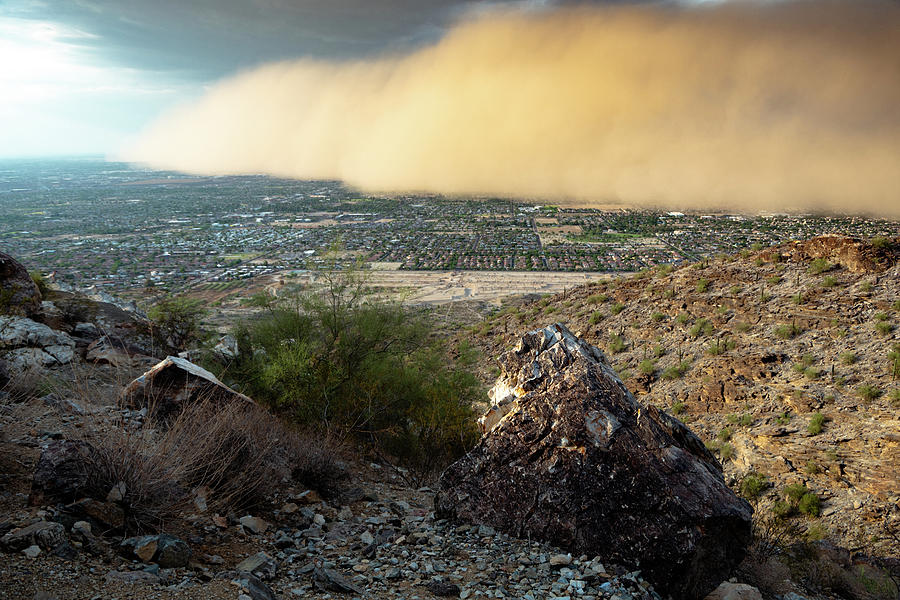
{"x":734,"y":591}
{"x":254,"y":587}
{"x":570,"y":425}
{"x":103,"y":516}
{"x":331,"y":580}
{"x":260,"y":564}
{"x":47,"y":535}
{"x":253,"y":524}
{"x":32,"y":551}
{"x":560,"y":560}
{"x":167,"y":551}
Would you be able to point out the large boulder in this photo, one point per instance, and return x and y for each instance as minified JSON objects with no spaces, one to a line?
{"x":19,"y":295}
{"x":174,"y":383}
{"x":28,"y":346}
{"x":569,"y":457}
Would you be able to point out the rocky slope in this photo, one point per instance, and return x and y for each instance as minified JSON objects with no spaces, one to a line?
{"x":752,"y":351}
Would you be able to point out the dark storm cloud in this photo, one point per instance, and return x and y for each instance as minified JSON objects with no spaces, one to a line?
{"x":206,"y":39}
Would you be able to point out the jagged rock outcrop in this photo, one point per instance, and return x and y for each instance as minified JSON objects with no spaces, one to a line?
{"x":570,"y":457}
{"x":28,"y":345}
{"x":18,"y":293}
{"x":855,"y":255}
{"x":174,"y":382}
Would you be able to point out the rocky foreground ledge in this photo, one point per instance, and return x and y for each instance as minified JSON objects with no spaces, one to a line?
{"x":571,"y":458}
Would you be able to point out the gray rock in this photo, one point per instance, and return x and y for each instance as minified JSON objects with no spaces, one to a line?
{"x":61,"y":475}
{"x":578,"y":462}
{"x":253,"y":524}
{"x":260,"y":564}
{"x":32,"y":551}
{"x":20,"y":294}
{"x":734,"y":591}
{"x":47,"y":535}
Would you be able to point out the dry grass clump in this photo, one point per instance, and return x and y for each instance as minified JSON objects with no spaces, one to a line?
{"x":236,"y":450}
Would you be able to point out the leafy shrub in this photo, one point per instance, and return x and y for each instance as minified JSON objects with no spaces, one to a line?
{"x":682,"y":318}
{"x":895,"y":397}
{"x":724,"y":434}
{"x":659,"y":351}
{"x":669,"y":293}
{"x":773,"y":279}
{"x":656,"y":317}
{"x":616,"y":308}
{"x":787,"y":331}
{"x":176,"y":322}
{"x":726,"y":451}
{"x":595,"y":318}
{"x":815,"y":424}
{"x":866,"y":286}
{"x":868,"y":392}
{"x":848,"y":358}
{"x":597,"y":298}
{"x":819,"y":266}
{"x":829,"y":282}
{"x":720,"y":346}
{"x":894,"y":358}
{"x":676,"y":371}
{"x":784,"y":418}
{"x":701,"y":327}
{"x":616,"y":343}
{"x":735,"y":290}
{"x":744,"y":420}
{"x":647,"y":367}
{"x":753,"y":485}
{"x":812,"y":468}
{"x":883,"y":327}
{"x":702,"y":285}
{"x":809,"y":505}
{"x":335,"y":357}
{"x":678,"y":408}
{"x":798,"y":298}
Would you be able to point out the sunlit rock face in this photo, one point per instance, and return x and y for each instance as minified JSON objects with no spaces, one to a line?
{"x":568,"y":456}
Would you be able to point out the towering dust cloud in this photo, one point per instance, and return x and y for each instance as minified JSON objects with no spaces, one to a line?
{"x":743,"y":106}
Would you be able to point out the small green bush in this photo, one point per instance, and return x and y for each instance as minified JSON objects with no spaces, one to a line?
{"x":176,"y":321}
{"x":616,"y":308}
{"x":724,"y":434}
{"x":868,"y":392}
{"x":735,"y":290}
{"x":896,"y":305}
{"x":726,"y":451}
{"x":812,"y":468}
{"x":703,"y":285}
{"x":773,"y":279}
{"x":616,"y":344}
{"x":866,"y":286}
{"x":597,"y":298}
{"x":744,"y":420}
{"x":678,"y":408}
{"x":883,"y":327}
{"x":829,"y":282}
{"x":647,"y":367}
{"x":784,"y":418}
{"x":670,"y":293}
{"x":809,"y":505}
{"x":596,"y":317}
{"x":815,"y":424}
{"x":848,"y":358}
{"x":798,"y":298}
{"x":656,"y":317}
{"x":753,"y":485}
{"x":895,"y":397}
{"x":720,"y":346}
{"x":742,"y":327}
{"x":701,"y":327}
{"x":787,"y":331}
{"x":682,"y":318}
{"x":658,"y":351}
{"x":819,"y":266}
{"x":676,"y":371}
{"x":881,"y":316}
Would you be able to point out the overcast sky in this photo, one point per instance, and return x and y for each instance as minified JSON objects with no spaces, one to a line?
{"x":81,"y":76}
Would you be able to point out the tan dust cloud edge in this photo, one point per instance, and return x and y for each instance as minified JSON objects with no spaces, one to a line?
{"x":750,"y":107}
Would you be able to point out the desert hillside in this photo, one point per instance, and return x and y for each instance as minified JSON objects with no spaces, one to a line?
{"x":786,"y":361}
